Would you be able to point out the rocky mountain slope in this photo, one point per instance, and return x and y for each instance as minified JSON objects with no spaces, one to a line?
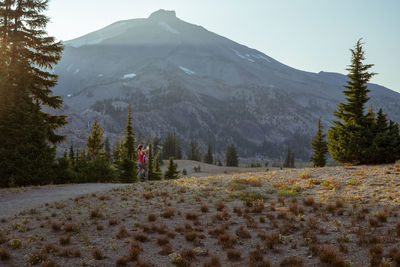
{"x":181,"y":78}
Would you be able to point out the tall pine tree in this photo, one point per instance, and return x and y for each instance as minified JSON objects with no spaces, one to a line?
{"x":320,"y":148}
{"x":95,"y":141}
{"x":171,"y":172}
{"x":128,"y":169}
{"x":27,"y":56}
{"x":208,"y":158}
{"x":231,"y":156}
{"x":351,"y":135}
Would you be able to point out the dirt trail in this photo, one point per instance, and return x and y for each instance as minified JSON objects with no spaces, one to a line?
{"x":14,"y":201}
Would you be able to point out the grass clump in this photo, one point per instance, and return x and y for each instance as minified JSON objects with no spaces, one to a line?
{"x":65,"y":240}
{"x":152,"y":217}
{"x":4,"y":254}
{"x":142,"y":237}
{"x":14,"y":243}
{"x":168,"y":213}
{"x":289,"y":191}
{"x":122,"y":232}
{"x":233,"y":254}
{"x":98,"y":253}
{"x":213,"y":262}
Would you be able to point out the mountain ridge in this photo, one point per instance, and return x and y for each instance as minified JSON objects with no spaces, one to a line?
{"x":228,"y":92}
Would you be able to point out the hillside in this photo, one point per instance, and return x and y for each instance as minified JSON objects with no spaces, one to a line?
{"x":182,"y":78}
{"x":336,"y":216}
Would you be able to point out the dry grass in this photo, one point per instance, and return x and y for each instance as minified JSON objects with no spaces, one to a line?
{"x":337,"y":215}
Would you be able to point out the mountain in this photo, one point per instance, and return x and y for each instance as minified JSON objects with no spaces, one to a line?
{"x":182,"y":78}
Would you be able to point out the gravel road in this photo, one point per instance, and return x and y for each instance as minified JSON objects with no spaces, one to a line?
{"x":13,"y":202}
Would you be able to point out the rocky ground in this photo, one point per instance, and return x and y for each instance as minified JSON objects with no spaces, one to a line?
{"x":334,"y":216}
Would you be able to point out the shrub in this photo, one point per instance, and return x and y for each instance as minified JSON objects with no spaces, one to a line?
{"x":142,"y":237}
{"x":152,"y":217}
{"x":188,"y":254}
{"x":112,"y":221}
{"x":382,"y":216}
{"x":329,"y":255}
{"x":148,"y":195}
{"x":289,"y":191}
{"x":218,"y":230}
{"x":65,"y":240}
{"x":258,"y":205}
{"x":168,"y":213}
{"x":122,"y":261}
{"x":226,"y":240}
{"x":191,"y":236}
{"x":242,"y":233}
{"x":304,"y":175}
{"x":292,"y":261}
{"x":98,"y":253}
{"x":204,"y":208}
{"x":270,"y":240}
{"x":4,"y":254}
{"x":213,"y":262}
{"x":191,"y":216}
{"x":14,"y":243}
{"x":375,"y":255}
{"x":308,"y":201}
{"x":134,"y":251}
{"x":50,"y":263}
{"x":220,"y":205}
{"x":95,"y":214}
{"x":162,"y":240}
{"x":398,"y":229}
{"x":233,"y":254}
{"x":71,"y":228}
{"x":122,"y":232}
{"x":166,"y":249}
{"x":36,"y":257}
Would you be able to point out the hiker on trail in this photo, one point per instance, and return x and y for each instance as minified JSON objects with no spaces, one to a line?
{"x":142,"y":162}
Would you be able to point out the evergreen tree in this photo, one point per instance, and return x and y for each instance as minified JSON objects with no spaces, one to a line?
{"x":193,"y":151}
{"x":351,"y":135}
{"x":153,"y":165}
{"x":171,"y":147}
{"x":320,"y":147}
{"x":71,"y":155}
{"x":386,"y":145}
{"x":157,"y":174}
{"x":27,"y":55}
{"x":178,"y":149}
{"x":208,"y":158}
{"x":287,"y":161}
{"x":95,"y":141}
{"x":231,"y":156}
{"x":292,"y":160}
{"x":81,"y":167}
{"x":150,"y":162}
{"x":107,"y":149}
{"x":172,"y":172}
{"x":128,"y":170}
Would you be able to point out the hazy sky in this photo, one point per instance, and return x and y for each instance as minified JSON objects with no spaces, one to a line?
{"x":310,"y":35}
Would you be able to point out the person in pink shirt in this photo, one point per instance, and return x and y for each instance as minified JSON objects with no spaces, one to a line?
{"x":142,"y":162}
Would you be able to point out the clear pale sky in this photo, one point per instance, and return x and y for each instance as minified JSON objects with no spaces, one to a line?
{"x":310,"y":35}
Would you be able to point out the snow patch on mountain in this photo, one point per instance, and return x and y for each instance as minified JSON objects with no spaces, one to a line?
{"x":259,"y":56}
{"x":246,"y":57}
{"x":187,"y":71}
{"x":129,"y":76}
{"x":76,"y":71}
{"x":100,"y":75}
{"x":168,"y":28}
